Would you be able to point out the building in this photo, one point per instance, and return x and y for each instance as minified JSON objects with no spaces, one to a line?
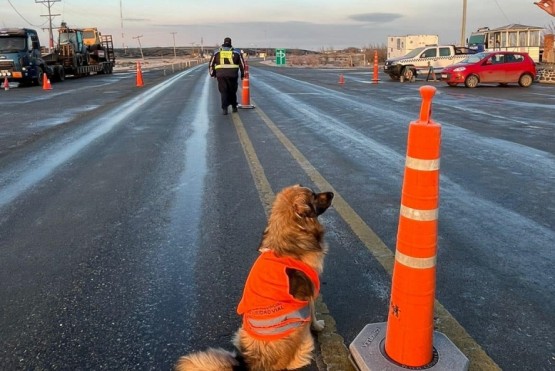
{"x":513,"y":37}
{"x":397,"y":46}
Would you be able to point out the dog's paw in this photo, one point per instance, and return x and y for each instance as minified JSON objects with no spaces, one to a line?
{"x":318,"y":325}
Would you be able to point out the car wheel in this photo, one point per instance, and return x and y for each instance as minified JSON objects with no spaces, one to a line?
{"x":525,"y":80}
{"x":471,"y":81}
{"x":452,"y":84}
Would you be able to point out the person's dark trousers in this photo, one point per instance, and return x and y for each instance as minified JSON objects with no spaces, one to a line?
{"x":228,"y":91}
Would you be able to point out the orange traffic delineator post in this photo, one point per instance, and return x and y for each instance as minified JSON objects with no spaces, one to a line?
{"x":46,"y":82}
{"x":245,"y":92}
{"x":139,"y":79}
{"x":6,"y":83}
{"x":341,"y":79}
{"x":408,"y":339}
{"x":375,"y":78}
{"x":410,"y":324}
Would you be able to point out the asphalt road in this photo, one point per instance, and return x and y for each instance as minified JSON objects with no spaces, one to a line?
{"x":129,"y":217}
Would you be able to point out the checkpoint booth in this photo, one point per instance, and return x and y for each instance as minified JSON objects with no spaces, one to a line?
{"x":513,"y":37}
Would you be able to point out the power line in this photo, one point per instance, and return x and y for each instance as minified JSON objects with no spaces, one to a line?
{"x":502,"y":11}
{"x":22,"y":17}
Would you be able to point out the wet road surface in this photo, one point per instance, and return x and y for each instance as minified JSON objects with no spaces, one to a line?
{"x":130,"y":217}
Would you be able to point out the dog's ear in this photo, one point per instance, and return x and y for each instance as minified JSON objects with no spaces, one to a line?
{"x":303,"y":206}
{"x":322,"y":201}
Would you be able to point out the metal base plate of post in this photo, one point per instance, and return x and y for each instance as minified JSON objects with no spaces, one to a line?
{"x":368,"y":354}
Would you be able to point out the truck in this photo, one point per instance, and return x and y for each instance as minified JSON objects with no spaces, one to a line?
{"x":397,"y":46}
{"x":20,"y":56}
{"x":423,"y":60}
{"x":79,"y":52}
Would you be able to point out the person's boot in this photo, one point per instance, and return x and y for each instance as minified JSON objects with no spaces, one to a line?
{"x":234,"y":109}
{"x":224,"y":111}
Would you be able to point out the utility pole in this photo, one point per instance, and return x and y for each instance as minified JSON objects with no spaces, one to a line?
{"x":174,"y":52}
{"x":49,"y":4}
{"x":121,"y":21}
{"x":463,"y":30}
{"x":140,"y":47}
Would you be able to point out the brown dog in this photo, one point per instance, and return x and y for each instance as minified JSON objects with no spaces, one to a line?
{"x":278,"y":299}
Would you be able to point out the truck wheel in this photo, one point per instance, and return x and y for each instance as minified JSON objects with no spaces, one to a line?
{"x":525,"y":80}
{"x":471,"y":81}
{"x":61,"y":74}
{"x":38,"y":79}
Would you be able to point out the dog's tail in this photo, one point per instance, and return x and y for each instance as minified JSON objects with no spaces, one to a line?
{"x":210,"y":360}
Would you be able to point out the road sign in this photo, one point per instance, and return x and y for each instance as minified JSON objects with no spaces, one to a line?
{"x":280,"y":57}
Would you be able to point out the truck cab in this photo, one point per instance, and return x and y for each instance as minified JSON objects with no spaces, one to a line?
{"x":20,"y":56}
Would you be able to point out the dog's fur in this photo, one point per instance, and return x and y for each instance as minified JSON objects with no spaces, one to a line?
{"x":293,"y":231}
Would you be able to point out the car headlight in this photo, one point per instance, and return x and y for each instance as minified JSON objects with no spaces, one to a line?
{"x":459,"y":69}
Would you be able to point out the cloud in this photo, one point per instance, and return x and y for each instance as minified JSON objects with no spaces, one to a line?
{"x":376,"y":17}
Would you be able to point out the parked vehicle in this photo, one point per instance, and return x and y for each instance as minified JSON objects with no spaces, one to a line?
{"x":79,"y":52}
{"x":82,"y":51}
{"x":420,"y":60}
{"x":20,"y":57}
{"x":492,"y":67}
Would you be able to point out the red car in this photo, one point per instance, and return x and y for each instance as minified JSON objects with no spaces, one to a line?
{"x":492,"y":67}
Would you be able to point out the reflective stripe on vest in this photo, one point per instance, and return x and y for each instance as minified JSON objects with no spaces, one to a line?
{"x":226,"y":56}
{"x":279,"y":325}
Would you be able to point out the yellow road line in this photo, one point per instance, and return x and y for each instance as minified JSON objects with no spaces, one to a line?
{"x":337,"y":358}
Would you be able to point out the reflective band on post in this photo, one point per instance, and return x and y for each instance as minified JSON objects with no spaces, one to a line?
{"x":416,"y":263}
{"x":419,"y":215}
{"x":423,"y":165}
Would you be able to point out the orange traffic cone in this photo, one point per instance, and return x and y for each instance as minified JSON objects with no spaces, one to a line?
{"x":375,"y":76}
{"x":341,"y":79}
{"x":246,"y":95}
{"x":410,"y":324}
{"x":139,"y":75}
{"x":6,"y":83}
{"x":46,"y":83}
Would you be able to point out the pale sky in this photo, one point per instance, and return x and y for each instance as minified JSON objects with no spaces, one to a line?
{"x":307,"y":24}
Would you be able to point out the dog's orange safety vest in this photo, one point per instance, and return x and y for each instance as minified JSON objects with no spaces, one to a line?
{"x":269,"y":311}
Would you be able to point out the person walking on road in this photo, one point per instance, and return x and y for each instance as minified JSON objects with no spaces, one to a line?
{"x":225,"y":65}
